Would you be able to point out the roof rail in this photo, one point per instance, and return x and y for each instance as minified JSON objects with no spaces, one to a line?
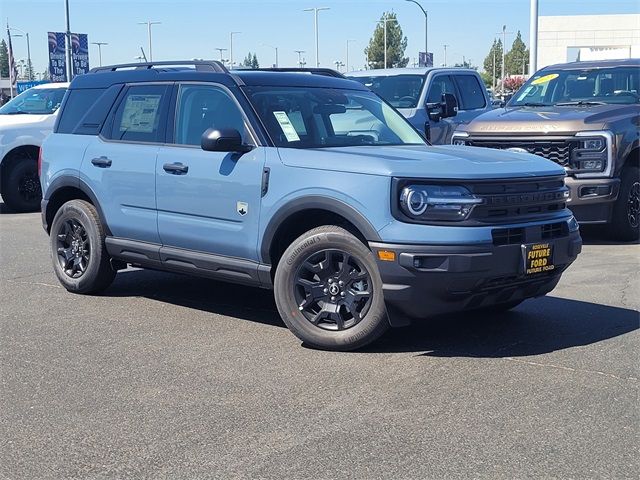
{"x":327,"y":72}
{"x":203,"y":65}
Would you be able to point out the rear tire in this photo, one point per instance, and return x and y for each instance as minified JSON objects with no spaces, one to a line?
{"x":80,"y":258}
{"x":626,"y":211}
{"x":21,"y":189}
{"x":329,"y":292}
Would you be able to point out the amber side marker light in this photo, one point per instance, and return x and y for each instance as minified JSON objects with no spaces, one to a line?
{"x":387,"y":255}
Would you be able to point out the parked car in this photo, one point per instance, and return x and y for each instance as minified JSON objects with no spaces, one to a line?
{"x":434,"y":100}
{"x":585,"y":117}
{"x":309,"y":185}
{"x":25,"y":121}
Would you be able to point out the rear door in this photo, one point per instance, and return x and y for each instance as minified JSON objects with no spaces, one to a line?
{"x":119,"y":165}
{"x":209,"y":201}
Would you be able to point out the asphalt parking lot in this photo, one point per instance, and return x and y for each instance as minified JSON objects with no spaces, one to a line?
{"x":170,"y":376}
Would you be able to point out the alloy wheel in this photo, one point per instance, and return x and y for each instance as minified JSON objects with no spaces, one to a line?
{"x":29,"y":187}
{"x":73,"y":248}
{"x":633,"y":205}
{"x":333,"y":290}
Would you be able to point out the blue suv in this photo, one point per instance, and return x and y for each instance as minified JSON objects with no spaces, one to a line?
{"x":303,"y":182}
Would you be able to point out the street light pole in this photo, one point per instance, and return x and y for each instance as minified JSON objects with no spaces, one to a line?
{"x":67,"y":42}
{"x":426,"y":26}
{"x":148,"y":23}
{"x":276,"y":49}
{"x":445,"y":54}
{"x":221,"y":50}
{"x":231,"y":34}
{"x":99,"y":44}
{"x":315,"y":11}
{"x":26,"y":35}
{"x":347,"y":54}
{"x":504,"y":46}
{"x":299,"y":52}
{"x":384,"y":21}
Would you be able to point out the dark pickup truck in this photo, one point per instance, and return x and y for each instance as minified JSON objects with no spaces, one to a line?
{"x":586,"y":117}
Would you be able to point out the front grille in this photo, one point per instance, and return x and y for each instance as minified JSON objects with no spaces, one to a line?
{"x":558,"y":151}
{"x":520,"y":235}
{"x":518,"y":200}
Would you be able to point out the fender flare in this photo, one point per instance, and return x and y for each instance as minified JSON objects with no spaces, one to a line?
{"x":317,"y":202}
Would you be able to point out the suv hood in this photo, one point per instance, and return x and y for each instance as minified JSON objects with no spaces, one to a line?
{"x":22,"y":119}
{"x":547,"y":120}
{"x":416,"y":161}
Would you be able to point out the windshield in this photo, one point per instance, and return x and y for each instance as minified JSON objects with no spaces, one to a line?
{"x":305,"y":117}
{"x":35,"y":101}
{"x":401,"y":91}
{"x":616,"y":85}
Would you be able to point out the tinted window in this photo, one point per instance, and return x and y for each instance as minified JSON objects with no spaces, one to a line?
{"x":471,"y":92}
{"x":36,"y":101}
{"x":304,"y":117}
{"x":141,"y":115}
{"x":76,"y":107}
{"x":439,"y":85}
{"x":401,"y":91}
{"x":201,"y":107}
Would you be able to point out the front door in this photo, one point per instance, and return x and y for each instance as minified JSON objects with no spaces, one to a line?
{"x":442,"y":129}
{"x":208,"y":201}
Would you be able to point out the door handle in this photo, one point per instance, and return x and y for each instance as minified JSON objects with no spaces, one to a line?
{"x":102,"y":162}
{"x":175,"y":168}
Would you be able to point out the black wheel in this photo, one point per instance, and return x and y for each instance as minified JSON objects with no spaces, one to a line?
{"x":21,"y":189}
{"x":626,"y":211}
{"x":329,"y":292}
{"x":80,"y":258}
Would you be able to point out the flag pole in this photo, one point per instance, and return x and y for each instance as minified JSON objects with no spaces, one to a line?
{"x":11,"y":61}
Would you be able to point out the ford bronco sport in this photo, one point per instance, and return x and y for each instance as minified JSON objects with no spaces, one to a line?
{"x":585,"y":116}
{"x":305,"y":183}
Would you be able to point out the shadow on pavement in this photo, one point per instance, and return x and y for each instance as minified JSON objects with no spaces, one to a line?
{"x":600,"y":235}
{"x":536,"y":327}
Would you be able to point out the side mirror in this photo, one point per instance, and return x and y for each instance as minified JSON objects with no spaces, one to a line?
{"x":449,"y":105}
{"x":223,"y":140}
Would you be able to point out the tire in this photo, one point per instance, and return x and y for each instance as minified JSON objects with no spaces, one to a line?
{"x":84,"y":266}
{"x":21,"y":189}
{"x":310,"y":273}
{"x":626,"y":211}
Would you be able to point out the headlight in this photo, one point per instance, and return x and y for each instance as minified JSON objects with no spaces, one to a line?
{"x":590,"y":156}
{"x":593,"y":144}
{"x":458,"y":141}
{"x":459,"y":138}
{"x":447,"y":203}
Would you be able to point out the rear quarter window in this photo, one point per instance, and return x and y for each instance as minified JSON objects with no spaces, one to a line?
{"x":471,"y":91}
{"x":77,"y":104}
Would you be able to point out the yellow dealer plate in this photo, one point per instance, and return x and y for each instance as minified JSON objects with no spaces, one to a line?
{"x":538,"y":258}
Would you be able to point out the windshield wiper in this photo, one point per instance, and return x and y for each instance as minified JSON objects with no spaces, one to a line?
{"x":579,"y":103}
{"x":533,"y":104}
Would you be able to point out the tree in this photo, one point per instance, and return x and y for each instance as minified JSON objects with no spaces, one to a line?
{"x":493,"y":61}
{"x":247,"y":60}
{"x":250,"y":61}
{"x":396,"y":44}
{"x":487,"y":79}
{"x":514,"y":83}
{"x":254,"y":61}
{"x":4,"y":59}
{"x":516,"y":59}
{"x":45,"y":75}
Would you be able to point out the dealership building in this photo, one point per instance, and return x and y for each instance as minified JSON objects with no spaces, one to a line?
{"x":568,"y":38}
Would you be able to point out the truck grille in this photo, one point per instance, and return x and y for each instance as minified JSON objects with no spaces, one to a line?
{"x":558,"y":151}
{"x":520,"y":235}
{"x":517,"y":200}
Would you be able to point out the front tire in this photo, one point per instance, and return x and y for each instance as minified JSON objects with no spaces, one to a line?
{"x":626,"y":211}
{"x":21,"y":189}
{"x":78,"y":250}
{"x":329,"y":292}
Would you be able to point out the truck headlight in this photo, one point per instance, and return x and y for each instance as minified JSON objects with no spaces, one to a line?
{"x":590,"y":154}
{"x":449,"y":203}
{"x":597,"y":144}
{"x":459,"y":138}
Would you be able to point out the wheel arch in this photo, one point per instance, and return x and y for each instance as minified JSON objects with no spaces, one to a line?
{"x":302,"y":214}
{"x":62,"y":190}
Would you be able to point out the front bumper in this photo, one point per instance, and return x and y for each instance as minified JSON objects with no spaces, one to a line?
{"x":456,"y":278}
{"x":591,"y":199}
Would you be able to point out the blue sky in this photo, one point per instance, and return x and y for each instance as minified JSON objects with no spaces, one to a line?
{"x":194,"y":28}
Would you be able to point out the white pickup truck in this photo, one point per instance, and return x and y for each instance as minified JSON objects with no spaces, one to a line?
{"x":25,"y":122}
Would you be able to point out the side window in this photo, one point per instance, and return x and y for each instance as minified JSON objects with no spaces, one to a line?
{"x":439,"y":85}
{"x":141,"y":115}
{"x":76,"y":106}
{"x":201,"y":107}
{"x":471,"y":92}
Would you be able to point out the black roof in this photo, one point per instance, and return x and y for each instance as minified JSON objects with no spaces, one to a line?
{"x":624,"y":62}
{"x":211,"y":71}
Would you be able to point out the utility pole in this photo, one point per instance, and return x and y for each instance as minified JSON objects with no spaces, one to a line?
{"x":426,"y":26}
{"x":299,"y":52}
{"x":221,"y":50}
{"x":99,"y":44}
{"x":445,"y":54}
{"x":315,"y":11}
{"x":533,"y":37}
{"x":148,"y":23}
{"x":276,"y":49}
{"x":347,"y":54}
{"x":231,"y":34}
{"x":504,"y":47}
{"x":495,"y":44}
{"x":384,"y":21}
{"x":67,"y":42}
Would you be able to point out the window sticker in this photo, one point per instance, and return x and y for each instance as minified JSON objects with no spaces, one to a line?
{"x":545,"y":79}
{"x":286,"y":126}
{"x":140,"y":113}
